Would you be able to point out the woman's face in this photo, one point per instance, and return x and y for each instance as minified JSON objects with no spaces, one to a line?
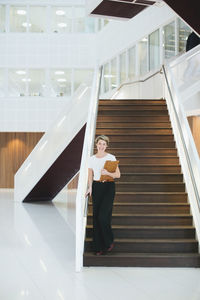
{"x":101,"y":145}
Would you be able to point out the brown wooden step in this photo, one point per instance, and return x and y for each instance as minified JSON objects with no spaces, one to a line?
{"x":150,"y":168}
{"x":142,"y":151}
{"x":149,"y":232}
{"x":153,"y":177}
{"x":165,"y":160}
{"x":151,"y":138}
{"x":151,"y":197}
{"x":122,"y":102}
{"x":169,"y":260}
{"x":128,"y":112}
{"x":149,"y":219}
{"x":149,"y":208}
{"x":142,"y":144}
{"x":150,"y":187}
{"x":151,"y":245}
{"x":131,"y":118}
{"x":133,"y":131}
{"x":133,"y":125}
{"x":132,"y":107}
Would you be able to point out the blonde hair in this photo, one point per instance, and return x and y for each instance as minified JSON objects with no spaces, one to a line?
{"x":102,"y":137}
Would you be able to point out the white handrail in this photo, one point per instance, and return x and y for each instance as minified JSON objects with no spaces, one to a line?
{"x":81,"y":201}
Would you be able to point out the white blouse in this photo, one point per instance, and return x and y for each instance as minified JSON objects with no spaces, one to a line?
{"x":97,"y":164}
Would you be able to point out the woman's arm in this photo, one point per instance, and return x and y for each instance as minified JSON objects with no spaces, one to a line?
{"x":115,"y":174}
{"x":90,"y":180}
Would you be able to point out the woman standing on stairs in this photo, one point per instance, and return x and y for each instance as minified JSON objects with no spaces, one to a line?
{"x":103,"y":194}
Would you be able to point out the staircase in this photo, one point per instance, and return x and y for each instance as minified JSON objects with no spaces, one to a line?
{"x":152,"y":223}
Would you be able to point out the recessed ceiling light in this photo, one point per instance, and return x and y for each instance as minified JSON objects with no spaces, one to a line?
{"x":60,"y":12}
{"x":25,"y":24}
{"x":61,"y":80}
{"x":62,"y":25}
{"x":21,"y":72}
{"x":59,"y":72}
{"x":21,"y":12}
{"x":26,"y":79}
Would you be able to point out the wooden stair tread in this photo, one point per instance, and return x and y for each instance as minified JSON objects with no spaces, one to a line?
{"x":131,"y":254}
{"x":147,"y":215}
{"x":149,"y":227}
{"x":148,"y":204}
{"x":150,"y":193}
{"x":131,"y":240}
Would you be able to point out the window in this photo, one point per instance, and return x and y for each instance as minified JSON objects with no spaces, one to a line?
{"x":183,"y":33}
{"x":18,"y":19}
{"x":79,"y":19}
{"x":62,"y":19}
{"x":106,"y":77}
{"x":37,"y":19}
{"x":113,"y":73}
{"x":82,"y":76}
{"x":169,"y":40}
{"x":2,"y":18}
{"x":131,"y":63}
{"x":143,"y":59}
{"x":122,"y":64}
{"x":154,"y":50}
{"x":60,"y":81}
{"x":17,"y":82}
{"x":36,"y":82}
{"x":2,"y":82}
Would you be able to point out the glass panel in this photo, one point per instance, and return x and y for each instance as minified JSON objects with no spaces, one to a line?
{"x":36,"y":82}
{"x":154,"y":50}
{"x":2,"y":18}
{"x":18,"y":19}
{"x":169,"y":40}
{"x":62,"y":19}
{"x":131,"y":63}
{"x":60,"y":82}
{"x":142,"y":49}
{"x":183,"y":32}
{"x":2,"y":82}
{"x":79,"y":20}
{"x":37,"y":19}
{"x":122,"y":64}
{"x":89,"y":25}
{"x":17,"y":82}
{"x":106,"y":77}
{"x":82,"y":76}
{"x":113,"y":73}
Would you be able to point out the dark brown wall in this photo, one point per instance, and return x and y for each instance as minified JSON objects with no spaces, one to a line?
{"x":14,"y":149}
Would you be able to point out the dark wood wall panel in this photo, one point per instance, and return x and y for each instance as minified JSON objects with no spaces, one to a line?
{"x":14,"y":149}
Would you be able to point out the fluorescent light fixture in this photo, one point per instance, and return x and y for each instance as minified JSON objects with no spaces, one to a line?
{"x":61,"y":80}
{"x":26,"y":79}
{"x":62,"y":25}
{"x":27,"y":240}
{"x":83,"y":92}
{"x":60,"y":12}
{"x":61,"y":121}
{"x":60,"y":295}
{"x":144,"y":39}
{"x":21,"y":12}
{"x":43,"y":265}
{"x":25,"y":24}
{"x":27,"y":167}
{"x":42,"y":147}
{"x":21,"y":72}
{"x":59,"y":72}
{"x":108,"y":76}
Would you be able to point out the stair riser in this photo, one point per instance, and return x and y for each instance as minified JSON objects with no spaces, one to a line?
{"x":148,"y":160}
{"x":133,"y":125}
{"x":140,"y":138}
{"x":149,"y":209}
{"x":125,"y":119}
{"x":132,"y":131}
{"x":142,"y":144}
{"x":133,"y":107}
{"x":133,"y":113}
{"x":150,"y":220}
{"x":143,"y":152}
{"x":149,"y":169}
{"x":123,"y":102}
{"x":150,"y":233}
{"x":155,"y":198}
{"x":151,"y":178}
{"x":150,"y":187}
{"x":168,"y":262}
{"x":149,"y":247}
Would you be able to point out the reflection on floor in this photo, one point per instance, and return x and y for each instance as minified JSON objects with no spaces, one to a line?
{"x":37,"y":246}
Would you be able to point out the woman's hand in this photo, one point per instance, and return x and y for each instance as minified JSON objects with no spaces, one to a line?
{"x":104,"y":172}
{"x":89,"y":192}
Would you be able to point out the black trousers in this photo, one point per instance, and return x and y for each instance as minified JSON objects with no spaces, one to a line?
{"x":103,"y":194}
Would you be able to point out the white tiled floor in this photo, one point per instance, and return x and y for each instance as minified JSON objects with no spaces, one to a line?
{"x":37,"y":261}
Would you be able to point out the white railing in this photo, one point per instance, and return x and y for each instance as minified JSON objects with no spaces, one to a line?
{"x":54,"y":141}
{"x":182,"y":84}
{"x":81,"y":200}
